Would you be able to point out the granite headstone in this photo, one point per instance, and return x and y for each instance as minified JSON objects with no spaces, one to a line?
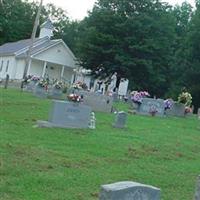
{"x":70,"y":114}
{"x":40,"y":91}
{"x":152,"y":106}
{"x":55,"y":93}
{"x":115,"y":97}
{"x":198,"y":113}
{"x":177,"y":110}
{"x":120,"y":120}
{"x":97,"y":102}
{"x":129,"y":191}
{"x":197,"y":192}
{"x":30,"y":87}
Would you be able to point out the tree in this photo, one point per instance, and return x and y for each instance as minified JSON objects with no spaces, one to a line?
{"x":16,"y":20}
{"x":133,"y":38}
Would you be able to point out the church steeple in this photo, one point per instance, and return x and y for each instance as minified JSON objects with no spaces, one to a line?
{"x":46,"y":29}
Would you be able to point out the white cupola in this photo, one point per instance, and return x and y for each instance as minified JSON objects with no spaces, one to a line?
{"x":46,"y":29}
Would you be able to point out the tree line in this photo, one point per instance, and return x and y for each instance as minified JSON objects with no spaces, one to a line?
{"x":153,"y":44}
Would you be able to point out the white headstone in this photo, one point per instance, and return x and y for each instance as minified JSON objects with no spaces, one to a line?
{"x":123,"y":87}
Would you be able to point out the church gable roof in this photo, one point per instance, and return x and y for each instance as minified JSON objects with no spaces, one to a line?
{"x":13,"y":47}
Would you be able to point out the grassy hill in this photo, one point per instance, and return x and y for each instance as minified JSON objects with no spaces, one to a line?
{"x":65,"y":164}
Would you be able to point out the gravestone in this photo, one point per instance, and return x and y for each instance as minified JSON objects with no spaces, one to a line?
{"x":198,"y":113}
{"x":6,"y":81}
{"x":197,"y":192}
{"x":129,"y":191}
{"x":149,"y":105}
{"x":120,"y":120}
{"x":55,"y":93}
{"x":177,"y":110}
{"x":97,"y":102}
{"x":30,"y":87}
{"x":115,"y":97}
{"x":66,"y":114}
{"x":40,"y":91}
{"x":123,"y":87}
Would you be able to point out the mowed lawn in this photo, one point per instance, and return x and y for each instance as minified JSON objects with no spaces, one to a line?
{"x":65,"y":164}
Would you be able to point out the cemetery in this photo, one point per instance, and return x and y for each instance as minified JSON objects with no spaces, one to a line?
{"x":106,"y":107}
{"x":122,"y":156}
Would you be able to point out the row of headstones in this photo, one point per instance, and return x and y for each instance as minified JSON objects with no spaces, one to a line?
{"x":66,"y":114}
{"x":149,"y":106}
{"x":97,"y":102}
{"x":42,"y":92}
{"x":135,"y":191}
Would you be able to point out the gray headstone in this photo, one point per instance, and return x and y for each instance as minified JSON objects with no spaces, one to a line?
{"x":6,"y":81}
{"x":30,"y":87}
{"x":177,"y":110}
{"x":149,"y":105}
{"x":120,"y":120}
{"x":129,"y":191}
{"x":115,"y":97}
{"x":197,"y":192}
{"x":97,"y":102}
{"x":70,"y":114}
{"x":40,"y":91}
{"x":198,"y":113}
{"x":55,"y":93}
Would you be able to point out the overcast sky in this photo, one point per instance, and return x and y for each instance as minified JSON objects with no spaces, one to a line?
{"x":77,"y":9}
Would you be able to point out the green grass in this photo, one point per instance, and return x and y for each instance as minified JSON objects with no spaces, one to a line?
{"x":65,"y":164}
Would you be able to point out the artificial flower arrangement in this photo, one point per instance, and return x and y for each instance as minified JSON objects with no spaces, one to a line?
{"x":35,"y":78}
{"x":58,"y":85}
{"x":27,"y":79}
{"x":168,"y":103}
{"x":137,"y":97}
{"x":79,"y":85}
{"x":185,"y":98}
{"x":43,"y":83}
{"x":74,"y":98}
{"x":188,"y":110}
{"x":153,"y":111}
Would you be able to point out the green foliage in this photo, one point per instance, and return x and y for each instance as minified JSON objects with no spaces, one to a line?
{"x":134,"y":39}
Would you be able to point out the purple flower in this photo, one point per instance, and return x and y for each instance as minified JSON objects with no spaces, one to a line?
{"x":138,"y":96}
{"x":168,"y":103}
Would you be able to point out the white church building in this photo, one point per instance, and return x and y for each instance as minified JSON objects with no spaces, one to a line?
{"x":49,"y":58}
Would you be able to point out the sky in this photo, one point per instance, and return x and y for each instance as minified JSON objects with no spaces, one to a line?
{"x":77,"y":9}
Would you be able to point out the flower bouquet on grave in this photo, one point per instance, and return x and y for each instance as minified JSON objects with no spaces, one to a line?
{"x":188,"y":110}
{"x":58,"y":85}
{"x":185,"y":98}
{"x":35,"y":79}
{"x":168,"y":103}
{"x":79,"y":86}
{"x":153,"y":111}
{"x":43,"y":83}
{"x":74,"y":98}
{"x":137,"y":97}
{"x":27,"y":79}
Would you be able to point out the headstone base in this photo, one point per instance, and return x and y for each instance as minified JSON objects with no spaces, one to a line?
{"x":46,"y":124}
